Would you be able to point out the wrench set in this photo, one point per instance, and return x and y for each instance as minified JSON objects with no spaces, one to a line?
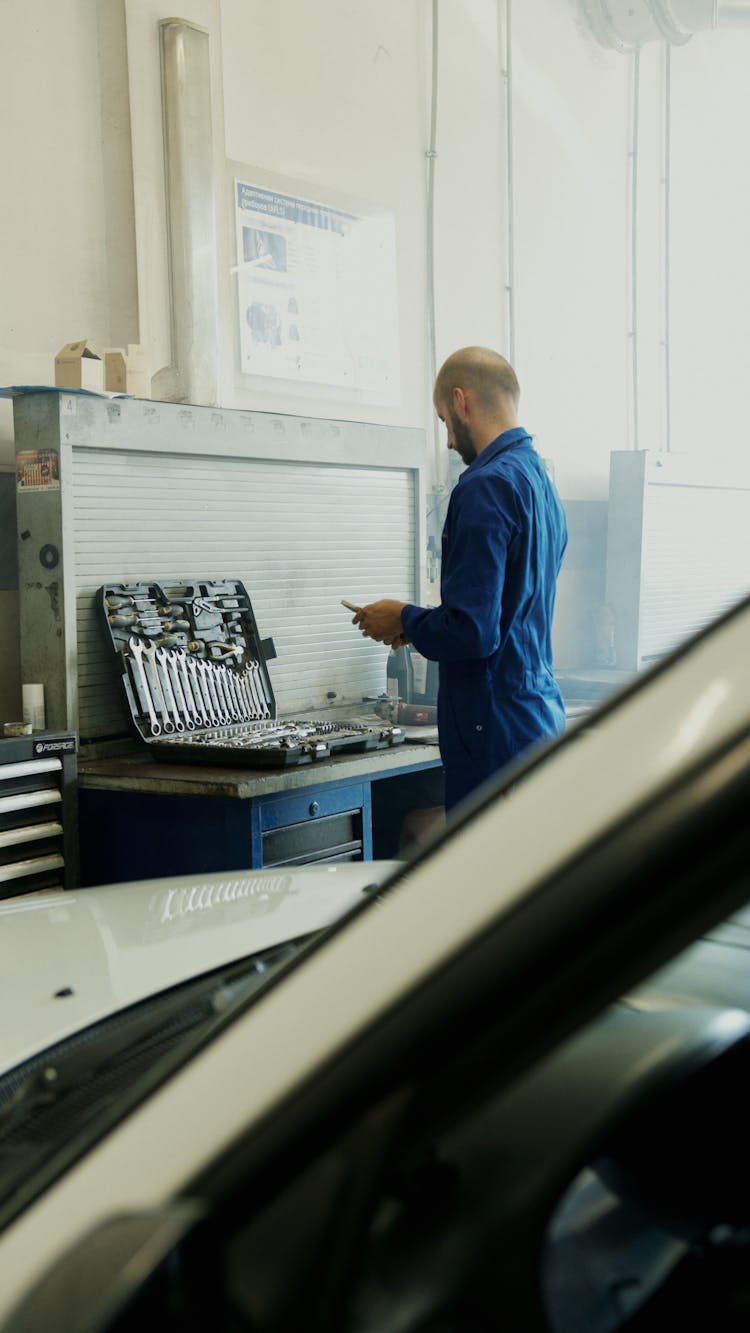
{"x":195,"y":676}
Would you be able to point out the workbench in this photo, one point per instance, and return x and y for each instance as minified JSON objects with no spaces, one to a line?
{"x":140,"y":819}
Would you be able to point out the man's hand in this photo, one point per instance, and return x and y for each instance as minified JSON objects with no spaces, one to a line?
{"x":382,"y":621}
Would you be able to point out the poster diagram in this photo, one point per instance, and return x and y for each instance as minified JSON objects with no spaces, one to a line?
{"x":317,"y":293}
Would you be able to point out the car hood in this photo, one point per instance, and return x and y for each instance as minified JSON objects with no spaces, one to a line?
{"x":72,"y":958}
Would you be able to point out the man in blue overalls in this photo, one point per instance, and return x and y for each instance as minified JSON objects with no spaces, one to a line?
{"x":503,"y":543}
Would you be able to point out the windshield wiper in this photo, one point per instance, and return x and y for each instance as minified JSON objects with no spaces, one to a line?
{"x":150,"y":1026}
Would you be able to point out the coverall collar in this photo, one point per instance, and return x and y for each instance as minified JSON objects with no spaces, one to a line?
{"x":498,"y":446}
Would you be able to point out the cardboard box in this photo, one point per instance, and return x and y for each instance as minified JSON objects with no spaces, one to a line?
{"x":78,"y":366}
{"x":115,"y":370}
{"x":138,"y":377}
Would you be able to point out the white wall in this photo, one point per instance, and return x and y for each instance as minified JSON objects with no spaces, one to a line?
{"x":710,"y":250}
{"x":569,"y":111}
{"x":330,"y":98}
{"x":335,"y":96}
{"x":67,"y":265}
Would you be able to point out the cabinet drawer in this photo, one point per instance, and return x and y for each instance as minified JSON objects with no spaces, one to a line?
{"x":333,"y":837}
{"x":38,"y":842}
{"x":10,"y":773}
{"x":314,"y":803}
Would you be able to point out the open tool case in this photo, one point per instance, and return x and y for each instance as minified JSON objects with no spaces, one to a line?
{"x":195,"y":675}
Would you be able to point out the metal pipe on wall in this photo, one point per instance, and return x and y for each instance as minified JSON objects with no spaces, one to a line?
{"x":431,"y":155}
{"x":665,"y":434}
{"x":505,"y":48}
{"x":626,"y":25}
{"x":694,"y":15}
{"x":633,"y":420}
{"x":191,"y":216}
{"x":666,"y":180}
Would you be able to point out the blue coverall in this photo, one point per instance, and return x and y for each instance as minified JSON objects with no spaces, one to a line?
{"x":503,"y":542}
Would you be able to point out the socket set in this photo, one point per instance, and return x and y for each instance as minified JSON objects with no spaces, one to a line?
{"x":195,"y":676}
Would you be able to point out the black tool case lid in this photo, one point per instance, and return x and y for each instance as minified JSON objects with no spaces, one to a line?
{"x":195,"y":676}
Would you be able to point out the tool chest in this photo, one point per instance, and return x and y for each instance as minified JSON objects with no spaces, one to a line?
{"x":195,"y":675}
{"x":38,"y":834}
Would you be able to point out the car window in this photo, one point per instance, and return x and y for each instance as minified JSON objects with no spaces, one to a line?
{"x":603,"y":1191}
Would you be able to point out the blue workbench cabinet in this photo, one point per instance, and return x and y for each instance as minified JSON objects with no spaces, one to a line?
{"x":140,"y":819}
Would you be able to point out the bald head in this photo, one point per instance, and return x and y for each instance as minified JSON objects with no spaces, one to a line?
{"x":490,"y":378}
{"x":476,"y":394}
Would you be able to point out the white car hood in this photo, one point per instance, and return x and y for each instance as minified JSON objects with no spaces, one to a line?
{"x":72,"y":958}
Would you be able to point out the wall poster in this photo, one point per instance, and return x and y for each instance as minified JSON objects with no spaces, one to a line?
{"x":317,"y":293}
{"x":37,"y":470}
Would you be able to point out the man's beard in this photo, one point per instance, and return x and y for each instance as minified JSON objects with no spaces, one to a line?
{"x":462,"y":441}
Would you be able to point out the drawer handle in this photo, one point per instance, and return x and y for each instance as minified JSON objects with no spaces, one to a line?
{"x":28,"y":766}
{"x":30,"y":833}
{"x":28,"y":799}
{"x":313,"y":808}
{"x":17,"y":869}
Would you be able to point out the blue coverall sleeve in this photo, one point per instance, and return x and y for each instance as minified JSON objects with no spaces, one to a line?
{"x":466,"y":625}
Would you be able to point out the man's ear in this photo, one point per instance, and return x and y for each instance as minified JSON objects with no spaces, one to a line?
{"x":459,"y":401}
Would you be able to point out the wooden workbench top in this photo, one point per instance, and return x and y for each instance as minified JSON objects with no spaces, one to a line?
{"x":138,"y":771}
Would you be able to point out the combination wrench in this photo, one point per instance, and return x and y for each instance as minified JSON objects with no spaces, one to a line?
{"x":172,"y":666}
{"x":238,"y":703}
{"x":189,"y":688}
{"x":200,"y":693}
{"x":243,"y":685}
{"x":136,"y":648}
{"x":165,"y":680}
{"x":250,"y":694}
{"x":157,"y":691}
{"x":258,"y":684}
{"x":226,"y":684}
{"x":220,"y":692}
{"x":206,"y":671}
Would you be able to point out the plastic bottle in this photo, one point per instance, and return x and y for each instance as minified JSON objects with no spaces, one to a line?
{"x":399,"y":682}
